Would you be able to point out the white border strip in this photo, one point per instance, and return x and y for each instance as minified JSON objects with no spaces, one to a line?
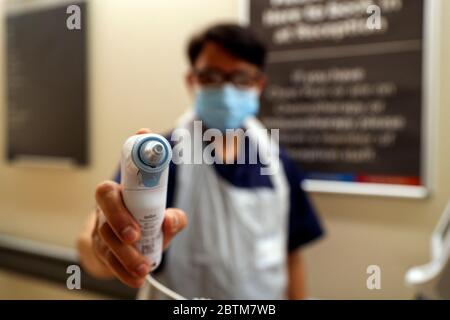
{"x":369,"y":189}
{"x":430,"y":87}
{"x":244,"y":12}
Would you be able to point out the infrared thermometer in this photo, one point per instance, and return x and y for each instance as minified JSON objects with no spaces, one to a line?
{"x":144,"y":174}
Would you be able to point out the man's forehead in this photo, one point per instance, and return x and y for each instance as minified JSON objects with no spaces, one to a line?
{"x":215,"y":56}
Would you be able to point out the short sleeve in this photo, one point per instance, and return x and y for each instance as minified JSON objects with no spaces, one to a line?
{"x":304,"y":223}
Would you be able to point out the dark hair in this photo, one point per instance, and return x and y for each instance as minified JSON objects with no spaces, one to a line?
{"x":238,"y":41}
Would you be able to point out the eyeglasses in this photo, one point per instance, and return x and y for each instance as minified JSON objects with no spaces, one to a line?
{"x":215,"y":77}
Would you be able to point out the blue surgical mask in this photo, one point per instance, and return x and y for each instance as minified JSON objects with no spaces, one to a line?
{"x":226,"y":107}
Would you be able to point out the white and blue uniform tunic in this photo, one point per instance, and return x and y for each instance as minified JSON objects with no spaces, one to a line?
{"x":242,"y":225}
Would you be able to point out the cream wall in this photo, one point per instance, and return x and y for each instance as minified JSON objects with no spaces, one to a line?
{"x":136,"y":80}
{"x":137,"y":67}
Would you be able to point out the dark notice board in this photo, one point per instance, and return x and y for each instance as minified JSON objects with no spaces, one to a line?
{"x":347,"y":99}
{"x":46,"y":86}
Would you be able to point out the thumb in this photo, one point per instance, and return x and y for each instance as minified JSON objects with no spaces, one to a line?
{"x":175,"y":220}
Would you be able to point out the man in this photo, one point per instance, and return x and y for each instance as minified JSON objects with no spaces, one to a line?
{"x":246,"y":229}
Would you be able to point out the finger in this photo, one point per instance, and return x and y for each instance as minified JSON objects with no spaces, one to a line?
{"x":100,"y":247}
{"x":113,"y":265}
{"x":100,"y":218}
{"x":143,"y":131}
{"x":128,"y":255}
{"x":109,"y":199}
{"x":175,"y":220}
{"x":121,"y":273}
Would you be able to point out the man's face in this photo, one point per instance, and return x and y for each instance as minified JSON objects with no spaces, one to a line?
{"x":215,"y":66}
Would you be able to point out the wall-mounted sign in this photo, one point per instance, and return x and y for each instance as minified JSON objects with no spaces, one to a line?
{"x":347,"y":90}
{"x":46,"y":77}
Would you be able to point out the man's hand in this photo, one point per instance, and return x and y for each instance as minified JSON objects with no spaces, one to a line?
{"x":116,"y":231}
{"x":106,"y":246}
